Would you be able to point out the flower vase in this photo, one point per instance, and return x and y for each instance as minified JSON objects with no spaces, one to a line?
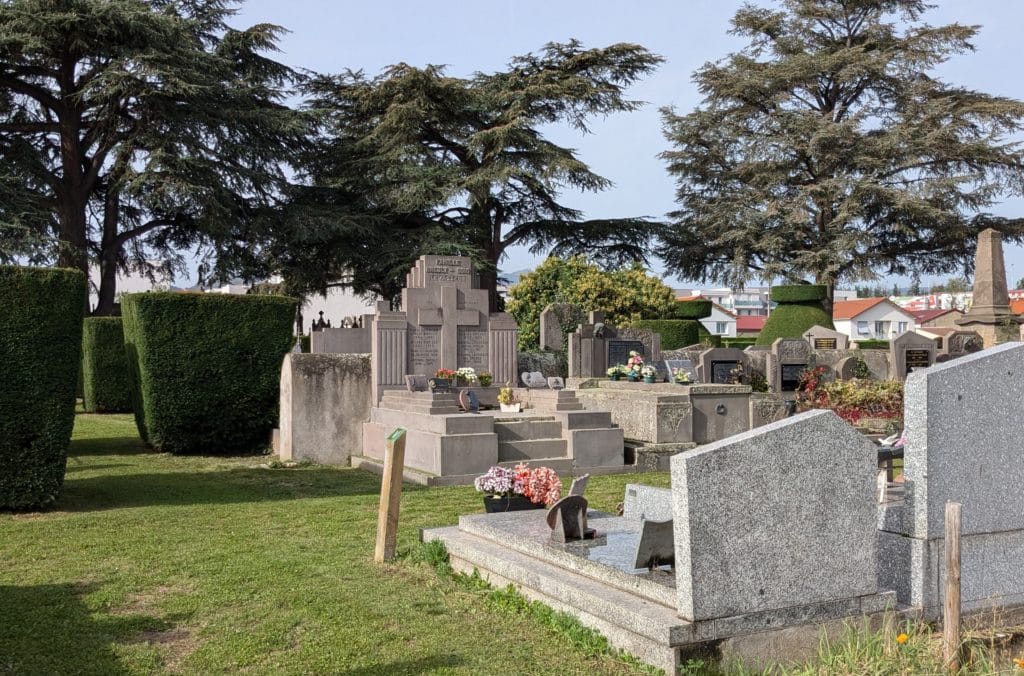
{"x":648,"y":379}
{"x":514,"y":407}
{"x":616,"y":377}
{"x":506,"y":503}
{"x":631,"y":378}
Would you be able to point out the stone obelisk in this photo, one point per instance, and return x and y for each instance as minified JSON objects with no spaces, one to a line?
{"x":990,"y":313}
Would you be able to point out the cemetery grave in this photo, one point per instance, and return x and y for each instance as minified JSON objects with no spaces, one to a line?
{"x":783,"y":526}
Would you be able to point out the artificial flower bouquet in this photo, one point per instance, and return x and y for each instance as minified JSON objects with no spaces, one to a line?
{"x":540,"y":484}
{"x":485,"y":378}
{"x":447,"y":374}
{"x":648,"y":371}
{"x":617,"y":371}
{"x":635,"y":362}
{"x":466,"y":375}
{"x":681,"y":376}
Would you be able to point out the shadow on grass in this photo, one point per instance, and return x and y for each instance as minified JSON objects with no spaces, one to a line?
{"x":109,"y":446}
{"x":410,"y":666}
{"x":46,"y":629}
{"x":239,"y":485}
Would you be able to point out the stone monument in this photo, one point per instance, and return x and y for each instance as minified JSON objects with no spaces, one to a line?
{"x":990,"y":313}
{"x":444,"y":323}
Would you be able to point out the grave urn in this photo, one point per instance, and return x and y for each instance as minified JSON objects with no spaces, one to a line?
{"x":506,"y":503}
{"x":648,"y":379}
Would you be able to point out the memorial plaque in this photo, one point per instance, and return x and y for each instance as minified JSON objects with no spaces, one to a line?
{"x":685,"y":364}
{"x":472,"y":348}
{"x":918,"y":359}
{"x":789,"y":379}
{"x":721,"y":371}
{"x":424,"y":349}
{"x":824,"y":343}
{"x":618,"y":350}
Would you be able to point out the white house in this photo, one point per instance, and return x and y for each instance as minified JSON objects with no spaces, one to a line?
{"x":721,"y":322}
{"x":871,"y":319}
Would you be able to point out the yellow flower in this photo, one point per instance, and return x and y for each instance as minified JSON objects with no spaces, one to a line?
{"x":1019,"y":662}
{"x":902,"y":638}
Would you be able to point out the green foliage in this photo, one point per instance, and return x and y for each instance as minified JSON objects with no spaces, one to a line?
{"x":872,"y":344}
{"x":174,"y":122}
{"x":623,"y":295}
{"x":740,"y":343}
{"x":106,"y":385}
{"x":206,"y":368}
{"x":305,"y":341}
{"x":692,"y":309}
{"x":806,"y":156}
{"x":464,"y":160}
{"x":675,"y":333}
{"x":799,"y":293}
{"x":791,"y":320}
{"x":860,"y":369}
{"x":40,"y":344}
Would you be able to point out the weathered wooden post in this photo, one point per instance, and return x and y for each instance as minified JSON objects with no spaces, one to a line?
{"x":390,"y":496}
{"x":951,"y":607}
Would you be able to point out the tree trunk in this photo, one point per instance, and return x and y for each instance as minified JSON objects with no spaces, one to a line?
{"x":109,"y":251}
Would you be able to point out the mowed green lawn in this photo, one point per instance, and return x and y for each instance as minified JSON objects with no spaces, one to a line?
{"x":158,"y":563}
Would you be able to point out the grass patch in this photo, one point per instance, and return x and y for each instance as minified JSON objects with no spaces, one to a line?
{"x":199,"y":564}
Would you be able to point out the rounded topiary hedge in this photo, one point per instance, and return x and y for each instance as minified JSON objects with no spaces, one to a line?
{"x":675,"y":333}
{"x":799,"y":308}
{"x":205,"y":368}
{"x":799,"y":293}
{"x":692,"y":309}
{"x":40,"y":343}
{"x":106,"y":387}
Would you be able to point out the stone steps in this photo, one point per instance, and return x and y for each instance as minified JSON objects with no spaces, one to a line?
{"x":531,"y":450}
{"x":527,"y":429}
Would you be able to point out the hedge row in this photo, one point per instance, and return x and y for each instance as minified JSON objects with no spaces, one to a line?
{"x":799,"y":293}
{"x":675,"y":333}
{"x":40,"y":343}
{"x":873,"y":344}
{"x":791,"y":320}
{"x":692,"y":309}
{"x":205,"y":368}
{"x":740,"y":342}
{"x":106,"y":387}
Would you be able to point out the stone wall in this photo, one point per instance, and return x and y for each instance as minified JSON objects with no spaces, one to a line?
{"x":325,"y":399}
{"x":341,"y":341}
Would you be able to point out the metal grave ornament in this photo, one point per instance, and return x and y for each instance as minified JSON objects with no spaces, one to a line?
{"x":567,"y":519}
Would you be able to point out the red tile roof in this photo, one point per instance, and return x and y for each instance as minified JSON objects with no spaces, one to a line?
{"x":923,"y":316}
{"x":1017,"y":306}
{"x":750,"y":322}
{"x":848,"y":309}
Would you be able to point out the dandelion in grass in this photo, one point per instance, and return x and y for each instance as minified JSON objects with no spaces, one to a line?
{"x":902,"y":638}
{"x":1019,"y":662}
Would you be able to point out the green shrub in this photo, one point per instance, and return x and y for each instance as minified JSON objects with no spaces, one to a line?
{"x":40,"y":343}
{"x":205,"y":368}
{"x":799,"y":293}
{"x":675,"y":333}
{"x":105,"y":383}
{"x":739,"y":343}
{"x":799,"y":309}
{"x":873,"y":344}
{"x":306,"y":343}
{"x":692,"y":309}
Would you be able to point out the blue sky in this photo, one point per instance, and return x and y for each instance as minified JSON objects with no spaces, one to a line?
{"x":329,"y":36}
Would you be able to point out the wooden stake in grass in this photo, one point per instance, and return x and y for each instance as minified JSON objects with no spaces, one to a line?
{"x":951,"y":607}
{"x":390,"y":496}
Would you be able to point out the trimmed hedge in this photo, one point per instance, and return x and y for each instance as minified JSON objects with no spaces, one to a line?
{"x":739,"y":342}
{"x":791,"y":320}
{"x":40,"y":345}
{"x":106,"y":385}
{"x":799,"y":293}
{"x":691,"y":309}
{"x":205,"y":368}
{"x":872,"y":344}
{"x":675,"y":333}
